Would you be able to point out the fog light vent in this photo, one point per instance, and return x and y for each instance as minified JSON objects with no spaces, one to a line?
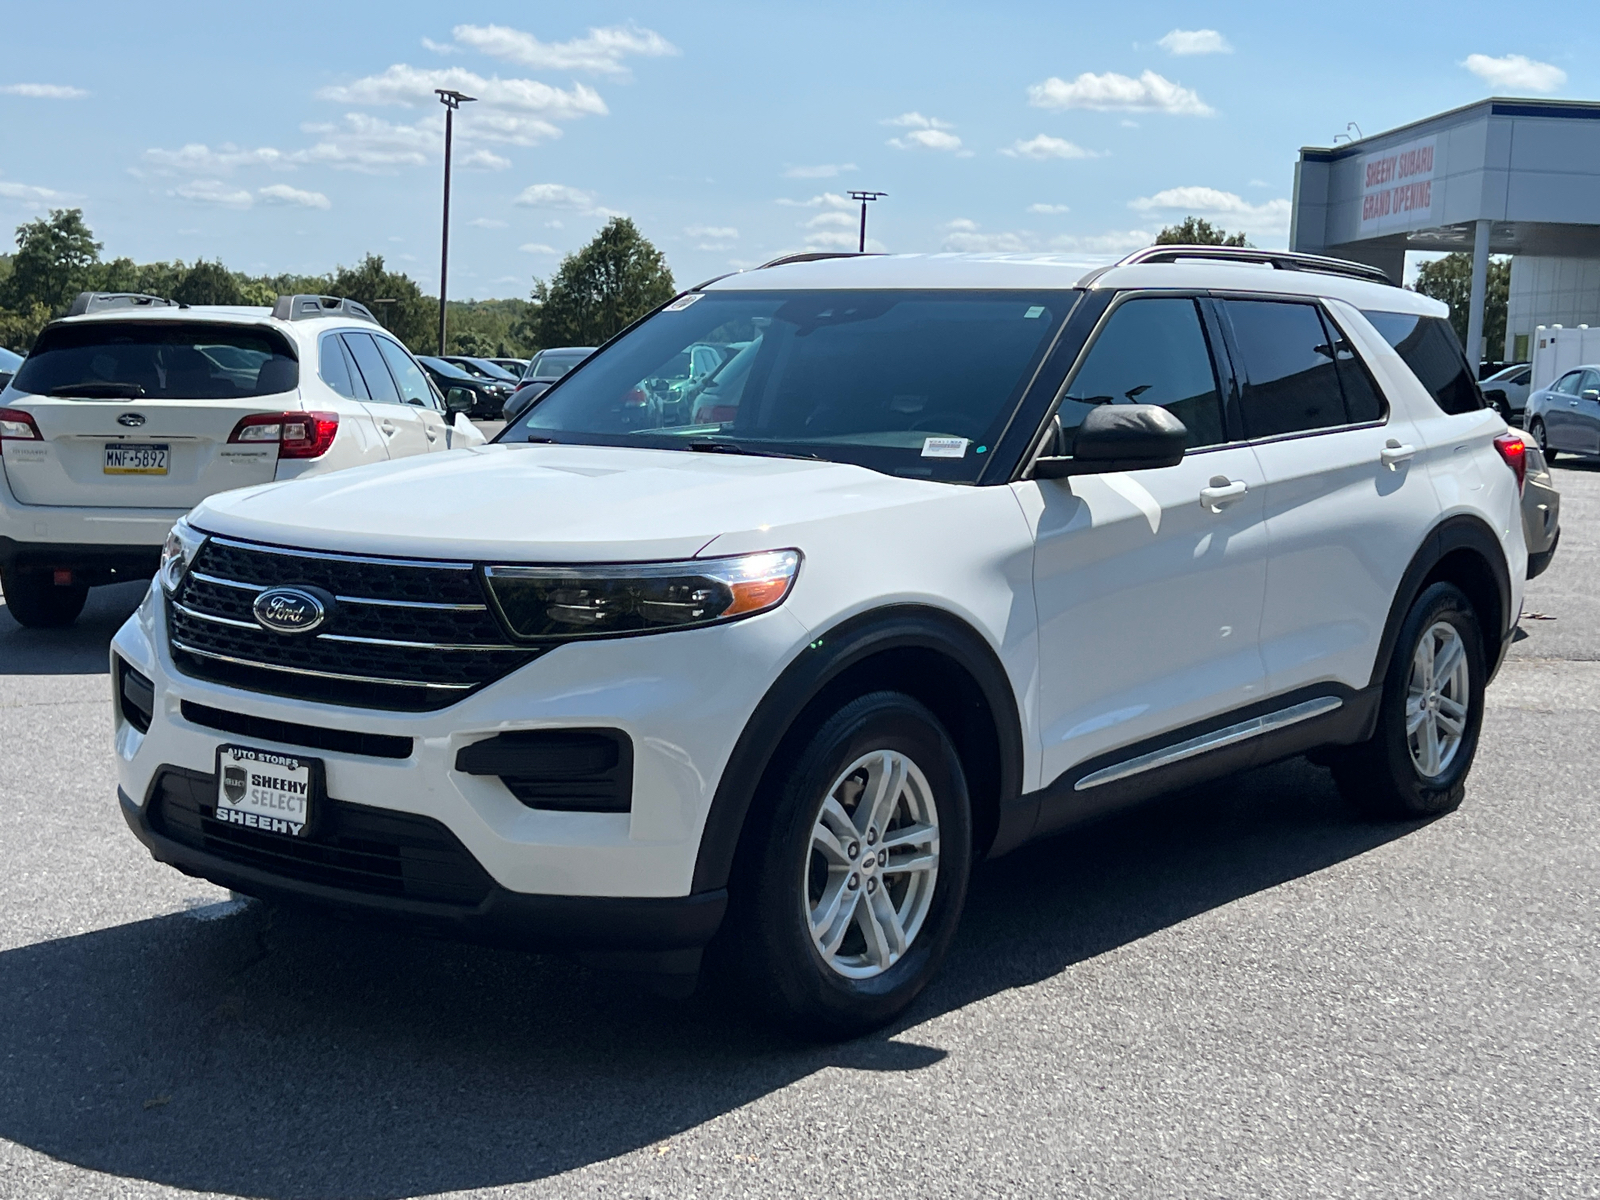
{"x":569,"y":770}
{"x":136,"y":696}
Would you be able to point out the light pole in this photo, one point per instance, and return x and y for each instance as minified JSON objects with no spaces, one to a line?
{"x":865,"y":198}
{"x":451,"y":100}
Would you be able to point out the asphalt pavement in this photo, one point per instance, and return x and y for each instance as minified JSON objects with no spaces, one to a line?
{"x":1245,"y":990}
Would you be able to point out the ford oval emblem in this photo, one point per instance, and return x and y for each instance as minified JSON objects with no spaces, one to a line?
{"x":288,"y":610}
{"x":131,"y":420}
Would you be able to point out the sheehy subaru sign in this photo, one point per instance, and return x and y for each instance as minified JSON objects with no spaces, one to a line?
{"x":1397,"y":187}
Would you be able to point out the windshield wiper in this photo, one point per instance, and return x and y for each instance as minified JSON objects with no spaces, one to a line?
{"x":100,"y":391}
{"x":706,"y":446}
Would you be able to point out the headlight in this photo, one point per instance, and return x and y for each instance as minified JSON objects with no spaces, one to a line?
{"x":183,"y":543}
{"x":609,"y":599}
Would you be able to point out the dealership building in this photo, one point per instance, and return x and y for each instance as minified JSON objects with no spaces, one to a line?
{"x":1517,"y":177}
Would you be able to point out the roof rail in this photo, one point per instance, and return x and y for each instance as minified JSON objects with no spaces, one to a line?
{"x":307,"y":308}
{"x":89,"y":302}
{"x":1282,"y":260}
{"x":784,"y":260}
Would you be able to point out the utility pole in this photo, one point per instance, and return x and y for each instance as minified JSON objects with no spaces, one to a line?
{"x":866,"y":198}
{"x":451,"y":100}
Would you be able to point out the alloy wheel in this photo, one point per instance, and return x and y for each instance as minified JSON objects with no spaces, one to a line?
{"x":873,"y":864}
{"x":1437,"y":699}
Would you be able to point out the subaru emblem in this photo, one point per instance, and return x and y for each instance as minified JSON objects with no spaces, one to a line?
{"x":288,"y":610}
{"x":131,"y":420}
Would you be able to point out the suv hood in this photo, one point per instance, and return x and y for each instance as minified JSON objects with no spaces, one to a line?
{"x":543,"y":503}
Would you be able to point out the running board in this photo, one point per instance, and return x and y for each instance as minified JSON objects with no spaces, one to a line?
{"x":1207,"y":742}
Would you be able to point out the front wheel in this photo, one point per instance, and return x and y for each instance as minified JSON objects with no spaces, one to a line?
{"x":855,"y":878}
{"x":1537,"y":429}
{"x":1416,"y":763}
{"x":34,"y":599}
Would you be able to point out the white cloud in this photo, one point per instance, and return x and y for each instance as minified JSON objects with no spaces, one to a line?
{"x":372,"y":145}
{"x":1271,"y":217}
{"x":554,"y":223}
{"x":282,"y":193}
{"x":720,"y":233}
{"x":1516,"y":71}
{"x":826,"y":200}
{"x":439,"y":47}
{"x":928,"y":133}
{"x":601,"y":52}
{"x":1259,"y":183}
{"x":29,"y":193}
{"x":199,"y":159}
{"x":555,"y":195}
{"x":1049,"y":210}
{"x":537,"y":248}
{"x":1195,"y":41}
{"x":832,"y":220}
{"x":42,"y":91}
{"x":1044,"y":146}
{"x":214,"y":191}
{"x":825,"y":171}
{"x":1115,"y":243}
{"x":487,"y":223}
{"x":1148,"y":93}
{"x":485,"y":160}
{"x":962,"y":235}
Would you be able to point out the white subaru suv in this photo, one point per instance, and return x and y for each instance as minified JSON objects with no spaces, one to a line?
{"x":131,"y":410}
{"x":951,"y":553}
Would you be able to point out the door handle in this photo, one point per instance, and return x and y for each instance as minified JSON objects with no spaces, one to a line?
{"x":1393,"y":454}
{"x":1221,"y":492}
{"x":387,"y":427}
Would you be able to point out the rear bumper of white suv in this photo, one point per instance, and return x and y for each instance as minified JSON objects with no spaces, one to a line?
{"x":115,"y":542}
{"x":459,"y":850}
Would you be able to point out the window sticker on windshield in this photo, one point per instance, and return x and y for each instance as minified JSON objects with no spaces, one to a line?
{"x":1036,"y":311}
{"x":944,"y":447}
{"x":683,"y":302}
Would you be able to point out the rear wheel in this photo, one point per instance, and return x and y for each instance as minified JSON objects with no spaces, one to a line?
{"x":1416,"y":763}
{"x":854,"y":881}
{"x":34,"y":599}
{"x":1537,"y":429}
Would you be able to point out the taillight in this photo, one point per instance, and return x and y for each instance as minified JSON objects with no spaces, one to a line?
{"x":298,"y":434}
{"x":18,"y":426}
{"x":1515,"y":452}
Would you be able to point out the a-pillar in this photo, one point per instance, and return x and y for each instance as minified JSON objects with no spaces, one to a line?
{"x":1480,"y":282}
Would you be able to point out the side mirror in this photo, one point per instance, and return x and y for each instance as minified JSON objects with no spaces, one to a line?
{"x":1590,"y":393}
{"x":1119,"y":437}
{"x":458,"y":400}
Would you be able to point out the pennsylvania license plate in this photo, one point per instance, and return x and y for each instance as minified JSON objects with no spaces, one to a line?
{"x":136,"y":458}
{"x":265,"y":790}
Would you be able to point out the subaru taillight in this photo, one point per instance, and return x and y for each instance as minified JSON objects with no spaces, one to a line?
{"x":18,"y":426}
{"x":297,"y":434}
{"x":1514,"y":451}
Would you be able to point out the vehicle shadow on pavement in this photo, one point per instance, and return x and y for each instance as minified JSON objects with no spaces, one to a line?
{"x":79,"y":649}
{"x":278,"y":1054}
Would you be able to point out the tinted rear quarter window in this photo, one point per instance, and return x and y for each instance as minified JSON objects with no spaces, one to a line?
{"x":1291,"y":384}
{"x":370,"y":362}
{"x":1429,"y":347}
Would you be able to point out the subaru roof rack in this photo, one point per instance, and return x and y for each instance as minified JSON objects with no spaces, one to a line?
{"x":1282,"y":260}
{"x":89,"y":302}
{"x":306,"y":308}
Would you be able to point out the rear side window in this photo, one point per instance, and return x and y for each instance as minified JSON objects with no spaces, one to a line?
{"x":165,"y":360}
{"x":413,"y":383}
{"x":1429,"y":347}
{"x":336,"y":369}
{"x":1291,"y":383}
{"x":1151,"y":351}
{"x":1362,"y":400}
{"x":370,"y":362}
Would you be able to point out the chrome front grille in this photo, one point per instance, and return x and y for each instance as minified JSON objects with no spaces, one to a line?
{"x":404,"y":634}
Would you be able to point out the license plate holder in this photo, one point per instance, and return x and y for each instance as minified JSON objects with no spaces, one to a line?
{"x":136,"y":458}
{"x":267,"y":790}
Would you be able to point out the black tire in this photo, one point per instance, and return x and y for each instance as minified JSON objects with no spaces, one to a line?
{"x":771,"y":945}
{"x":34,"y":599}
{"x":1498,"y":401}
{"x":1382,"y":776}
{"x":1537,"y":429}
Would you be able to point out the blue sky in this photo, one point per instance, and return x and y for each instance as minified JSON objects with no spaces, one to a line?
{"x":304,"y":135}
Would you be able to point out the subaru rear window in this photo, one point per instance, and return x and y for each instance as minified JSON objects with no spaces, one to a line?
{"x":166,"y":360}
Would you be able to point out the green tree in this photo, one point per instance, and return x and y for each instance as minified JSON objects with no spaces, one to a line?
{"x":1197,"y":231}
{"x":55,"y":259}
{"x":614,"y":280}
{"x":1450,"y":279}
{"x":413,"y":317}
{"x":208,"y":283}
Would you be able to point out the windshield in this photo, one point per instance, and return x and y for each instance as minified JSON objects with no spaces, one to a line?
{"x":918,"y":383}
{"x":448,"y":369}
{"x":168,"y":360}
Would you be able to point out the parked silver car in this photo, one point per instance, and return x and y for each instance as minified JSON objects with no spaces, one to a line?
{"x":1564,"y":418}
{"x":1541,"y":511}
{"x":1507,"y":391}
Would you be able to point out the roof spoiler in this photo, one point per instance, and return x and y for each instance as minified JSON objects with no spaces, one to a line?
{"x":1282,"y":260}
{"x":306,"y":308}
{"x":91,"y":302}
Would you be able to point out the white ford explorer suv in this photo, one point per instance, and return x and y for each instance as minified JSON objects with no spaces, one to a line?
{"x":974,"y":550}
{"x":131,"y":410}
